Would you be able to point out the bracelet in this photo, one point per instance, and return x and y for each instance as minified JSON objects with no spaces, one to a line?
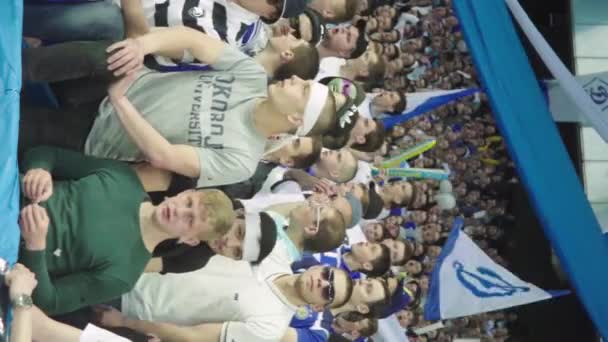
{"x":22,"y":301}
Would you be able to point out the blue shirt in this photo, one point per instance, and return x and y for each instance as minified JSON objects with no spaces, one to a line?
{"x":333,"y":258}
{"x":312,"y":326}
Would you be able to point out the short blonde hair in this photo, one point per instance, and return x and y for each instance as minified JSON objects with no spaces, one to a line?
{"x":219,"y":209}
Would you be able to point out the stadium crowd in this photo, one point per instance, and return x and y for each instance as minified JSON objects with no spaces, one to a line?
{"x":212,"y":170}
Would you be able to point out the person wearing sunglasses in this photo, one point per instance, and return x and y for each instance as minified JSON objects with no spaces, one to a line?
{"x":369,"y":298}
{"x":249,"y":305}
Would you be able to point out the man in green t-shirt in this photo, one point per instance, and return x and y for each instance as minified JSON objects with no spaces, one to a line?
{"x":92,"y":236}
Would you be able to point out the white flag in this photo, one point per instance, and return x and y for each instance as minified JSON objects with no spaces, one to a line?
{"x":465,"y":281}
{"x":564,"y":110}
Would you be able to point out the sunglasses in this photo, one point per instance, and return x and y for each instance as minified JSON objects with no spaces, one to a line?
{"x":328,"y":292}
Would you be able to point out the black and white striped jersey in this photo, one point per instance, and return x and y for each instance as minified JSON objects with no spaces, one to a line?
{"x":222,"y":19}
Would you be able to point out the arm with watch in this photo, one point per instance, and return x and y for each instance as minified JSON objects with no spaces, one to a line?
{"x":29,"y":322}
{"x":21,"y":283}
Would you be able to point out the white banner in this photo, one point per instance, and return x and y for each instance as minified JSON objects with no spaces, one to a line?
{"x":584,"y":104}
{"x":564,"y":110}
{"x":466,"y":282}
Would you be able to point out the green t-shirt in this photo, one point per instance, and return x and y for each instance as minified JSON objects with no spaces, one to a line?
{"x":94,"y":250}
{"x":210,"y":110}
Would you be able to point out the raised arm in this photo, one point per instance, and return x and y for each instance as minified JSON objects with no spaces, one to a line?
{"x":173,"y":42}
{"x":181,"y":159}
{"x":134,"y":18}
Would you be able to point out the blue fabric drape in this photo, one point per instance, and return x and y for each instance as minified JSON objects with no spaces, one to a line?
{"x":536,"y":147}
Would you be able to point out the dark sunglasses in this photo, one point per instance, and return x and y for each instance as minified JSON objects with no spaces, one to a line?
{"x":328,"y":292}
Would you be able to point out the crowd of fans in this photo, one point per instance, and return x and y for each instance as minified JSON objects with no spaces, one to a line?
{"x":210,"y":175}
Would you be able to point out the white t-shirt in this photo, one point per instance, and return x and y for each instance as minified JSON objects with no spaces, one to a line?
{"x":365,"y":108}
{"x":260,"y":202}
{"x":330,"y":67}
{"x":355,"y":234}
{"x":242,"y":297}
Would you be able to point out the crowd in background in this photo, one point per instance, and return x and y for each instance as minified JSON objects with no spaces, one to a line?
{"x":382,"y":235}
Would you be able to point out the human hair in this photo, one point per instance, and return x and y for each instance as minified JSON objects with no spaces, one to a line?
{"x":381,"y":264}
{"x":406,"y":202}
{"x":349,"y":290}
{"x":303,"y":162}
{"x":365,"y":197}
{"x":327,"y":120}
{"x":219,"y":210}
{"x":399,"y":107}
{"x":376,"y":308}
{"x":331,"y":234}
{"x":371,"y":329}
{"x":344,"y":14}
{"x":375,"y":73}
{"x":268,"y":238}
{"x":373,"y":140}
{"x":304,"y":64}
{"x":408,"y":252}
{"x":347,"y":174}
{"x":355,"y":316}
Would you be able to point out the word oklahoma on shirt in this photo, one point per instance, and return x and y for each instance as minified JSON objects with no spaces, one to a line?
{"x":209,"y":110}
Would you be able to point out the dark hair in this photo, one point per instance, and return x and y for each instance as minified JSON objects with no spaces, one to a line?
{"x":331,"y":234}
{"x":408,"y":251}
{"x":373,"y":139}
{"x":394,"y":55}
{"x":371,"y":329}
{"x":417,"y":274}
{"x":381,"y":264}
{"x":349,"y":291}
{"x":365,"y":198}
{"x":376,"y":308}
{"x":268,"y":238}
{"x":303,"y":162}
{"x":305,"y":64}
{"x":399,"y":107}
{"x":386,"y":234}
{"x":355,"y":316}
{"x":375,"y":73}
{"x":362,"y":43}
{"x":406,"y":202}
{"x":350,"y":10}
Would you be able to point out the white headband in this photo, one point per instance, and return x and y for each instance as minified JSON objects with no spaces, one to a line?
{"x":314,"y":106}
{"x":253,"y":236}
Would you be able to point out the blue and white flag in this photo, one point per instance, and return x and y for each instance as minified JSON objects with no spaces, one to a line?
{"x":564,"y":109}
{"x":422,"y":102}
{"x":465,"y":281}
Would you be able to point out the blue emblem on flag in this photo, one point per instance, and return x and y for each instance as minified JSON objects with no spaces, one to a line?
{"x":598,"y":92}
{"x":485,"y":283}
